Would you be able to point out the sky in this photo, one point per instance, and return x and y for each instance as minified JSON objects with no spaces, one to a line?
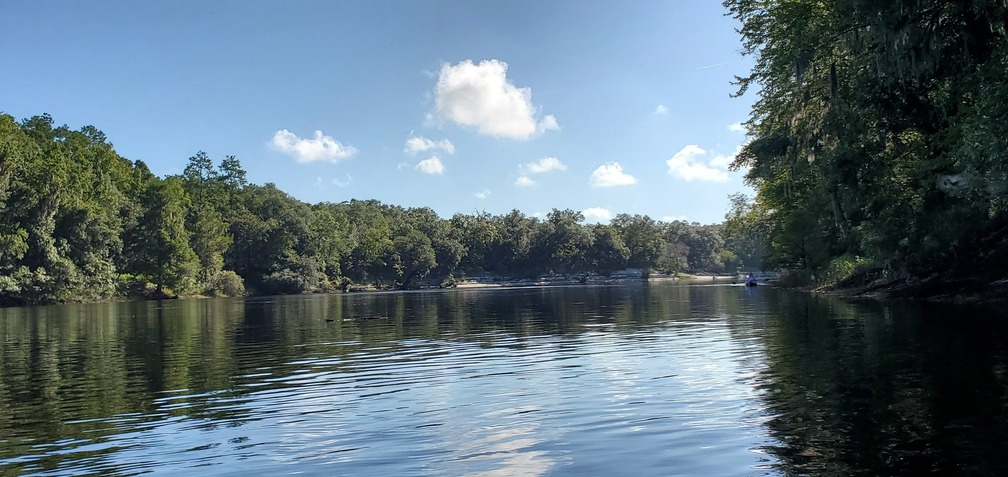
{"x":603,"y":107}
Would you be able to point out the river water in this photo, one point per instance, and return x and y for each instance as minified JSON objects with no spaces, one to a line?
{"x":636,"y":379}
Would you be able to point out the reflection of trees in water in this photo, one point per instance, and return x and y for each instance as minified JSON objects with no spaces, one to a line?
{"x":848,"y":388}
{"x":885,"y":389}
{"x":64,"y":364}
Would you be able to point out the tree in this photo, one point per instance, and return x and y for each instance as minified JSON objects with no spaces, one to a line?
{"x":160,"y":243}
{"x":642,"y":236}
{"x":608,"y":252}
{"x":745,"y":231}
{"x":416,"y":256}
{"x":567,"y":242}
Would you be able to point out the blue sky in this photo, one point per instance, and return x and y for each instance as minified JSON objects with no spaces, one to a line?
{"x":603,"y":107}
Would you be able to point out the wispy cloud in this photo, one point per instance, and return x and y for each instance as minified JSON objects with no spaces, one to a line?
{"x":661,"y":109}
{"x":687,"y":164}
{"x":524,"y":181}
{"x":318,"y":148}
{"x":736,"y":127}
{"x":343,"y":183}
{"x":483,"y":194}
{"x":611,"y":175}
{"x":715,"y":65}
{"x":431,"y":165}
{"x":418,"y":144}
{"x":481,"y":96}
{"x":545,"y":164}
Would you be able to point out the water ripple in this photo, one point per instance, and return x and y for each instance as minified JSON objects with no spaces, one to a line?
{"x":592,"y":381}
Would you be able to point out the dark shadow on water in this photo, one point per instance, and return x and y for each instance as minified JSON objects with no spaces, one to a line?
{"x":886,"y":389}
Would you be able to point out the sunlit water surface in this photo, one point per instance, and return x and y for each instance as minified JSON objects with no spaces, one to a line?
{"x":634,"y":379}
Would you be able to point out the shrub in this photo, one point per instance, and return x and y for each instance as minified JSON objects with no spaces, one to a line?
{"x":449,"y":282}
{"x":226,"y":283}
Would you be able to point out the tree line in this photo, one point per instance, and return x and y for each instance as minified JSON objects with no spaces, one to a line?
{"x":78,"y":222}
{"x":879,"y":136}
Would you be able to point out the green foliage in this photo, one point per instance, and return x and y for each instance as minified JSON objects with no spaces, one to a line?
{"x":643,"y":239}
{"x":80,"y":223}
{"x":225,"y":283}
{"x":843,"y":268}
{"x":449,"y":282}
{"x":608,"y":252}
{"x":878,"y":131}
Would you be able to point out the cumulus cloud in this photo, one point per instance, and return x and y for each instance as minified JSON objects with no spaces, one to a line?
{"x":597,"y":214}
{"x":736,"y":127}
{"x":611,"y":175}
{"x":661,"y":109}
{"x":722,"y":161}
{"x":318,"y":148}
{"x":483,"y":194}
{"x":417,"y":144}
{"x":688,"y":165}
{"x":480,"y":96}
{"x":524,"y":181}
{"x":431,"y":165}
{"x":545,"y":164}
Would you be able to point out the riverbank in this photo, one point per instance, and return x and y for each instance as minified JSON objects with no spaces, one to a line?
{"x":932,"y":288}
{"x":497,"y":282}
{"x":974,"y":272}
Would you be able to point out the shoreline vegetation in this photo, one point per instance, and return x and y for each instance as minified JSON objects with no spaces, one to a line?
{"x":79,"y":223}
{"x":879,"y":145}
{"x":877,"y":148}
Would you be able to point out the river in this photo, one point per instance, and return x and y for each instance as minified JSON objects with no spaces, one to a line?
{"x":635,"y":379}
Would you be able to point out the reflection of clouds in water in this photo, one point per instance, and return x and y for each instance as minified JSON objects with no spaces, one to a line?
{"x":506,"y":450}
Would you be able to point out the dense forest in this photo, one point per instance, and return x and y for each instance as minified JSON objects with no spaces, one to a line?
{"x":78,"y":222}
{"x":879,"y":139}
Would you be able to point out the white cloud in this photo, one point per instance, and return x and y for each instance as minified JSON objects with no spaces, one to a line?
{"x":343,"y":183}
{"x":431,"y":165}
{"x":483,"y":194}
{"x":319,"y":148}
{"x":686,"y":165}
{"x":524,"y":181}
{"x":480,"y":96}
{"x":736,"y":127}
{"x":545,"y":164}
{"x":661,"y":109}
{"x":597,"y":215}
{"x":722,"y":161}
{"x":611,"y":175}
{"x":416,"y":144}
{"x":548,"y":123}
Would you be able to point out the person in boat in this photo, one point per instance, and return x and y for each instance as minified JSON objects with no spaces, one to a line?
{"x":750,"y":280}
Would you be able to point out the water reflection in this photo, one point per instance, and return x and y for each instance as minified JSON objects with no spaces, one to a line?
{"x":885,"y":389}
{"x":639,"y":379}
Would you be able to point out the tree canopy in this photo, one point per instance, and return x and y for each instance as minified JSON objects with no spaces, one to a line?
{"x":877,"y":134}
{"x":81,"y":223}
